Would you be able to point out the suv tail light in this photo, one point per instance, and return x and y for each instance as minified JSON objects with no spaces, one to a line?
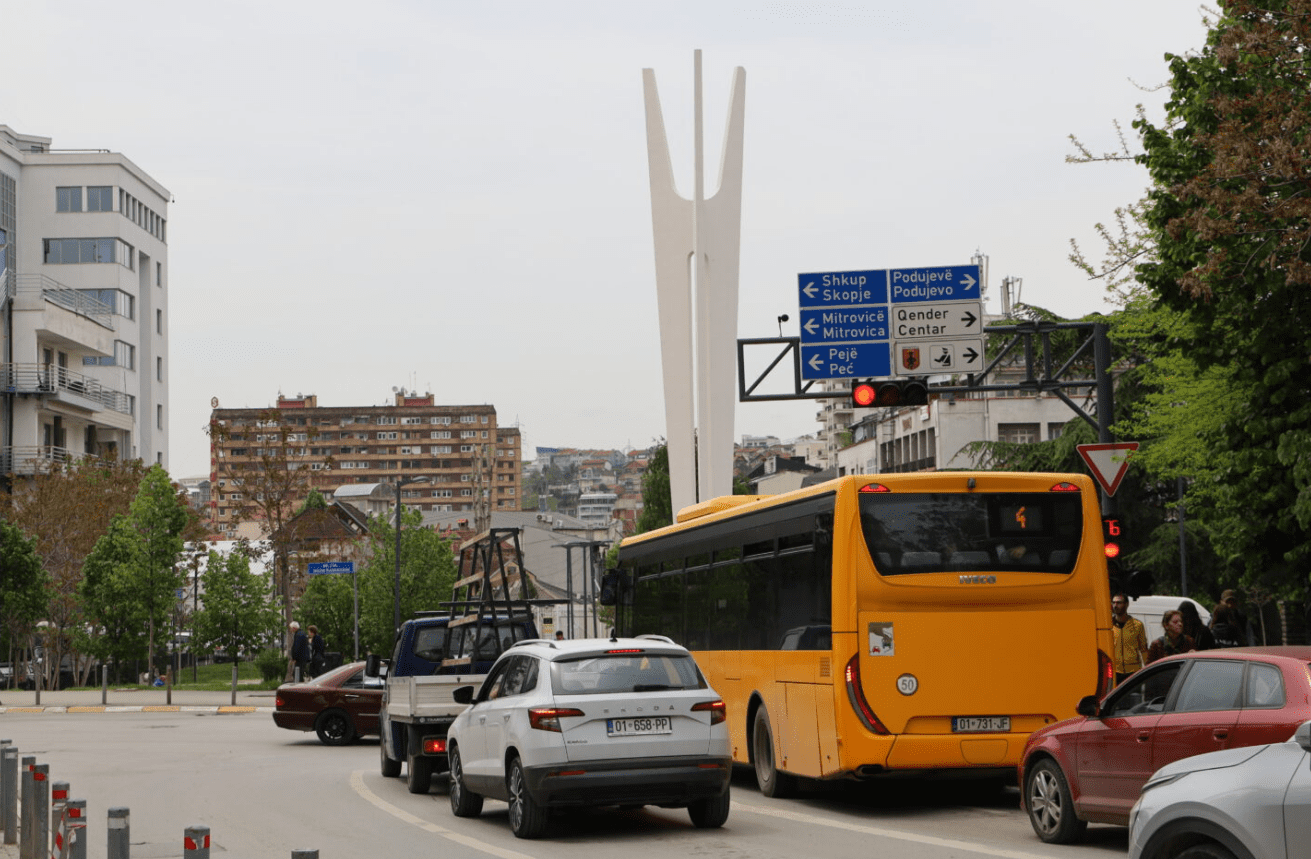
{"x":718,"y":712}
{"x":548,"y":718}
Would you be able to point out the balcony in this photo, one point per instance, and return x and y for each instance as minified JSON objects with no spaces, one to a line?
{"x":35,"y":459}
{"x":62,"y":385}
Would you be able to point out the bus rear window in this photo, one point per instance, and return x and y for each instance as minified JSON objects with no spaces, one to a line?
{"x":933,"y":532}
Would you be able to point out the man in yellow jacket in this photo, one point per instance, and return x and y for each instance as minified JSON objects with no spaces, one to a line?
{"x":1128,"y":639}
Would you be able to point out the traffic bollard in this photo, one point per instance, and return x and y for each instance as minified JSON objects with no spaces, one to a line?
{"x":118,"y":833}
{"x":58,"y":800}
{"x":41,"y":811}
{"x":304,"y":854}
{"x":75,"y":830}
{"x":195,"y":842}
{"x":9,"y":778}
{"x":26,"y":825}
{"x":6,"y":793}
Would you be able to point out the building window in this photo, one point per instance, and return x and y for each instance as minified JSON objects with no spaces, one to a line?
{"x":384,"y":420}
{"x":125,"y":355}
{"x":72,"y":251}
{"x":159,"y":274}
{"x":1017,"y":433}
{"x":122,"y":303}
{"x":159,"y":369}
{"x":159,"y":322}
{"x":159,"y":417}
{"x":466,"y":448}
{"x":100,"y":198}
{"x":1054,"y":431}
{"x":68,"y":199}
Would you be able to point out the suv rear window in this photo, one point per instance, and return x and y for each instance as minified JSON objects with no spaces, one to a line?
{"x":624,"y":672}
{"x":982,"y":532}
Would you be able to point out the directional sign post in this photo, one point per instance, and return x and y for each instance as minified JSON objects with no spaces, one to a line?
{"x":856,"y":324}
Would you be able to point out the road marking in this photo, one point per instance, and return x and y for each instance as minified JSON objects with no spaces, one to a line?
{"x":950,"y":843}
{"x":357,"y":785}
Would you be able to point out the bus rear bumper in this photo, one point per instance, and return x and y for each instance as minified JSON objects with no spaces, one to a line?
{"x":955,"y":751}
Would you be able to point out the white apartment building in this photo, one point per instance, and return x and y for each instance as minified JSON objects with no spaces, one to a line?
{"x":83,"y":306}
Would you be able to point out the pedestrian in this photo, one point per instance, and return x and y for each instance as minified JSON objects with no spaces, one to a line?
{"x":1238,"y":618}
{"x":300,"y":651}
{"x":318,"y":652}
{"x":1223,"y":630}
{"x":1174,"y":641}
{"x":559,"y":635}
{"x":1194,"y":628}
{"x":1128,"y":639}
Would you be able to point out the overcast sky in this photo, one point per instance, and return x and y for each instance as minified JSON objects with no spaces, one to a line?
{"x":453,"y":197}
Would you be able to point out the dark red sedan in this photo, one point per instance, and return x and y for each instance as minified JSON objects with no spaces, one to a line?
{"x":1092,"y":768}
{"x":339,"y":705}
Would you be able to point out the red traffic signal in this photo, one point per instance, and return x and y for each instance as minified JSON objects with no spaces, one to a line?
{"x":1111,"y":531}
{"x":888,"y":394}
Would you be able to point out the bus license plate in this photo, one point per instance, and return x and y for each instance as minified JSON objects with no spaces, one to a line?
{"x":979,"y":724}
{"x":633,"y":727}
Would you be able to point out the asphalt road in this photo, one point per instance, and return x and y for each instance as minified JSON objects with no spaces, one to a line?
{"x":265,"y":792}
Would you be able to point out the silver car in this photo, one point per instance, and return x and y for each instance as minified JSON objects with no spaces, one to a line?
{"x":591,"y":722}
{"x":1246,"y":803}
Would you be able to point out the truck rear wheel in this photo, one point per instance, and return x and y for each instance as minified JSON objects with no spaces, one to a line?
{"x":418,"y":776}
{"x":390,"y":767}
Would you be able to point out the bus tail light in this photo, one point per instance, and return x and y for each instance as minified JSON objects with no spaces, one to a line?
{"x":874,"y":487}
{"x":1105,"y":673}
{"x":856,"y":696}
{"x":1064,"y":487}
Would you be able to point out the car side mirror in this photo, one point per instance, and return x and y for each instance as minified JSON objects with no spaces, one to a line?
{"x":463,"y":694}
{"x":1302,"y":736}
{"x":611,"y":582}
{"x":373,"y":665}
{"x":1088,"y":706}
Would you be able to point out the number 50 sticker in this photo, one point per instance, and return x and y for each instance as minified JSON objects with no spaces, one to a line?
{"x":908,"y":684}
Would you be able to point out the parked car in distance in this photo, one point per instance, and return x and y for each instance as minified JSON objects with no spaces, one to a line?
{"x":591,"y":722}
{"x":340,"y":705}
{"x":1091,"y":768}
{"x":1247,"y":802}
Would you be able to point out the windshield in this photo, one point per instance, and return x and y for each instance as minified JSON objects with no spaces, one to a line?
{"x":644,"y":672}
{"x":928,"y":532}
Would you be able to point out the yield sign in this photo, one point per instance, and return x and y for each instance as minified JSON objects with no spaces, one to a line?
{"x":1108,"y":462}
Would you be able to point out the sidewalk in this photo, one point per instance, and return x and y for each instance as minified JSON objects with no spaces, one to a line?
{"x":122,"y":700}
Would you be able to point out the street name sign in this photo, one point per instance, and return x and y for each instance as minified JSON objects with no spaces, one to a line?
{"x":330,"y":567}
{"x":854,"y":323}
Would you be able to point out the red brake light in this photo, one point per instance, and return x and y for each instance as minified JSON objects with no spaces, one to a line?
{"x":1105,"y":674}
{"x":629,"y":650}
{"x":548,"y":718}
{"x":874,"y":487}
{"x":856,"y":696}
{"x":279,"y":703}
{"x":435,"y":746}
{"x":1064,"y":487}
{"x":718,"y":712}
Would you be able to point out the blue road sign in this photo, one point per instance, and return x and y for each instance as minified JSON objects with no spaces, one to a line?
{"x":846,"y":316}
{"x":842,"y":288}
{"x":846,"y":360}
{"x":329,"y":567}
{"x":942,"y":283}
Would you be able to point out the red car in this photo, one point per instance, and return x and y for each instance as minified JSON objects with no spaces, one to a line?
{"x":339,"y":705}
{"x":1092,"y":768}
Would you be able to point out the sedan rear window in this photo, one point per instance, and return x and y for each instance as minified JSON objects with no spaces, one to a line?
{"x":625,"y":672}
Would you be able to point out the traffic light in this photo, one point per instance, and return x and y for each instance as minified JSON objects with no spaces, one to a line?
{"x":889,"y":393}
{"x":1111,"y":533}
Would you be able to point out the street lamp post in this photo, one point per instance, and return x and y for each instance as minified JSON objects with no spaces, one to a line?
{"x":396,"y":586}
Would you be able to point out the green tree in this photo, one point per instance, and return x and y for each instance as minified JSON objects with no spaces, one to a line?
{"x":110,"y":598}
{"x":1229,"y":211}
{"x":158,"y":516}
{"x":428,"y":572}
{"x":657,"y":503}
{"x":329,"y":604}
{"x":239,"y":614}
{"x":23,"y":595}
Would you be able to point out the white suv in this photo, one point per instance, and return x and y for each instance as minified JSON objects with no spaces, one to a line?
{"x":618,"y":721}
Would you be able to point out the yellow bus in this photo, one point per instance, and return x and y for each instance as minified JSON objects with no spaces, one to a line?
{"x":880,"y":624}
